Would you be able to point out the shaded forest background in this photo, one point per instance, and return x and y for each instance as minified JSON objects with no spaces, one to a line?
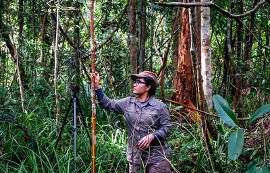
{"x":44,"y":53}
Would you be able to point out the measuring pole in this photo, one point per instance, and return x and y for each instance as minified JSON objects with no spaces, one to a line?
{"x":93,"y":120}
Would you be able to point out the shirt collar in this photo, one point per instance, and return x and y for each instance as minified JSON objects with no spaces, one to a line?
{"x":151,"y":100}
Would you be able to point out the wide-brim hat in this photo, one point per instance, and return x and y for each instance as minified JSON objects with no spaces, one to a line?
{"x":145,"y":74}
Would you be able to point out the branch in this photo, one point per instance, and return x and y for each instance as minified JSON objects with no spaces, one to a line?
{"x":184,"y":105}
{"x":112,"y":33}
{"x":154,"y":38}
{"x":63,"y":32}
{"x":213,"y":5}
{"x":165,"y":59}
{"x":154,"y":51}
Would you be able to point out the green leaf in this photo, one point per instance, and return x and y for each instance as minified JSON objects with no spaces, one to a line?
{"x":178,"y":107}
{"x":253,"y":169}
{"x":224,"y":111}
{"x":261,"y":111}
{"x":235,"y":144}
{"x":263,"y":170}
{"x":251,"y":165}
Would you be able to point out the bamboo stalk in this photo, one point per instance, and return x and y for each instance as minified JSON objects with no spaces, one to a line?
{"x":93,"y":120}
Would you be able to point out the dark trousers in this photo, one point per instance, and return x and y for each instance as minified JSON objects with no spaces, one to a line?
{"x":159,"y":167}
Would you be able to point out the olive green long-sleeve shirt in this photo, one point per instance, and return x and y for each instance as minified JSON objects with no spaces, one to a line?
{"x":152,"y":118}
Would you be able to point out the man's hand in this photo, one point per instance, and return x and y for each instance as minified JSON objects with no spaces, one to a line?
{"x":145,"y":141}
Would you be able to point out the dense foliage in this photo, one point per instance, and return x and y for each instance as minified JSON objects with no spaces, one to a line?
{"x":28,"y":138}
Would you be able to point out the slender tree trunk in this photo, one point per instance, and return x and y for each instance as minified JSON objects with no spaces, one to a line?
{"x":142,"y":33}
{"x":34,"y":3}
{"x":24,"y":77}
{"x":240,"y":81}
{"x":19,"y":75}
{"x":198,"y":55}
{"x":228,"y":56}
{"x":5,"y":35}
{"x":144,"y":36}
{"x":175,"y":44}
{"x":249,"y":38}
{"x":42,"y":36}
{"x":165,"y":57}
{"x":151,"y":36}
{"x":206,"y":62}
{"x":192,"y":21}
{"x":184,"y":80}
{"x":206,"y":68}
{"x":239,"y":35}
{"x":133,"y":36}
{"x":56,"y":67}
{"x":228,"y":46}
{"x":77,"y":42}
{"x":20,"y":22}
{"x":17,"y":62}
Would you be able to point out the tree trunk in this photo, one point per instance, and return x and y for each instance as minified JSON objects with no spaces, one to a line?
{"x":133,"y":36}
{"x":42,"y":37}
{"x":142,"y":33}
{"x":206,"y":63}
{"x":184,"y":80}
{"x":150,"y":66}
{"x":198,"y":55}
{"x":175,"y":44}
{"x":239,"y":35}
{"x":228,"y":46}
{"x":192,"y":21}
{"x":56,"y":67}
{"x":238,"y":54}
{"x":240,"y":81}
{"x":5,"y":35}
{"x":20,"y":22}
{"x":77,"y":42}
{"x":24,"y":77}
{"x":17,"y":63}
{"x":206,"y":68}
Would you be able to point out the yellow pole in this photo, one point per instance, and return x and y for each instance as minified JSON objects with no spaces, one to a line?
{"x":93,"y":120}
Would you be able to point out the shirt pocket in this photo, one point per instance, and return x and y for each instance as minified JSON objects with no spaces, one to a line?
{"x":150,"y":119}
{"x":131,"y":116}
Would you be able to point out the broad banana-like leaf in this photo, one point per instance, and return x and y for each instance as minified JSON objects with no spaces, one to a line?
{"x":235,"y":144}
{"x":224,"y":111}
{"x":258,"y":170}
{"x":253,"y":169}
{"x":261,"y":111}
{"x":263,"y":170}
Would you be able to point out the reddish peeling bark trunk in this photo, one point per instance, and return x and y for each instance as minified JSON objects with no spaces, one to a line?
{"x":184,"y":80}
